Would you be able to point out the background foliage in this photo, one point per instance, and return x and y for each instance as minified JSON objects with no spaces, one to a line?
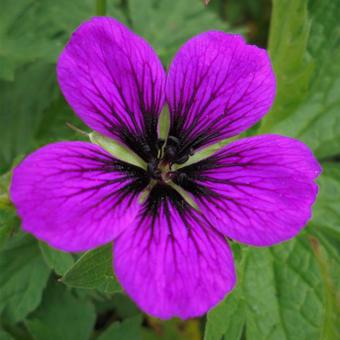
{"x":290,"y":291}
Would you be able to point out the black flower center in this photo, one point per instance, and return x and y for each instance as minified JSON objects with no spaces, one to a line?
{"x":160,"y":168}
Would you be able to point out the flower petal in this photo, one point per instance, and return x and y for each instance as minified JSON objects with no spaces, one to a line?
{"x":217,"y":87}
{"x":172,"y":262}
{"x":114,"y":81}
{"x":257,"y":190}
{"x":74,"y":195}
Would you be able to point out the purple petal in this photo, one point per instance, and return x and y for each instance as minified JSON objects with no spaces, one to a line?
{"x":217,"y":87}
{"x":114,"y":81}
{"x":172,"y":262}
{"x":74,"y":195}
{"x":257,"y":190}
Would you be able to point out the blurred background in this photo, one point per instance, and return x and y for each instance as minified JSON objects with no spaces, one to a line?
{"x":289,"y":291}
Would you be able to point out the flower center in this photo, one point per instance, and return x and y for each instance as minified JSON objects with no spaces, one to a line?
{"x":159,"y":168}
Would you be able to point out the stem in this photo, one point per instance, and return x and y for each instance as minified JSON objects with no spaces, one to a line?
{"x":100,"y":7}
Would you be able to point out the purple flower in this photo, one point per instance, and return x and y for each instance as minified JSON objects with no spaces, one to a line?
{"x":171,"y":258}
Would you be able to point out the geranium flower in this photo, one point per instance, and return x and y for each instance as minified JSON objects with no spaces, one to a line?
{"x":172,"y":259}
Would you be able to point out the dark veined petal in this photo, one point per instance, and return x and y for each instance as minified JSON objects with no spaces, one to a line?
{"x":173,"y":262}
{"x":75,"y":196}
{"x":217,"y":87}
{"x":257,"y":190}
{"x":114,"y":81}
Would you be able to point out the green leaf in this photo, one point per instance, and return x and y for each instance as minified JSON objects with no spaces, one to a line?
{"x":283,"y":291}
{"x":23,"y":277}
{"x":55,"y":121}
{"x":22,"y":105}
{"x":33,"y":30}
{"x":167,"y":24}
{"x":304,"y":45}
{"x":57,"y":260}
{"x":326,"y":215}
{"x":62,"y":316}
{"x":116,"y":149}
{"x":228,"y":318}
{"x":129,"y":329}
{"x":172,"y":329}
{"x":39,"y":29}
{"x":330,"y":329}
{"x":8,"y":223}
{"x":7,"y":68}
{"x":93,"y":271}
{"x":5,"y":336}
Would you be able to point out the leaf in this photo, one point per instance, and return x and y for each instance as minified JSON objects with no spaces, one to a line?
{"x":62,"y":316}
{"x":57,"y":260}
{"x":39,"y":29}
{"x":23,"y":277}
{"x":22,"y":105}
{"x":227,"y":319}
{"x":325,"y":228}
{"x":167,"y":24}
{"x":5,"y":336}
{"x":7,"y":68}
{"x":330,"y":328}
{"x":304,"y":44}
{"x":171,"y":329}
{"x":129,"y":329}
{"x":54,"y":124}
{"x":33,"y":30}
{"x":283,"y":291}
{"x":93,"y":271}
{"x":326,"y":215}
{"x":8,"y":223}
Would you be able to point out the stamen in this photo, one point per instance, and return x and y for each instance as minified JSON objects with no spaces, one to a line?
{"x":153,"y":170}
{"x":181,"y":177}
{"x":173,"y":151}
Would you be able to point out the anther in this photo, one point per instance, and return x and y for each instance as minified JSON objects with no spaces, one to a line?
{"x":182,"y":159}
{"x":153,"y":170}
{"x":170,"y":152}
{"x":172,"y":140}
{"x":146,"y":148}
{"x":181,"y":177}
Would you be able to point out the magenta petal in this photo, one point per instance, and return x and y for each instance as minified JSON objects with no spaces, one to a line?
{"x":113,"y":80}
{"x":173,"y":263}
{"x":217,"y":87}
{"x":74,"y":195}
{"x":257,"y":190}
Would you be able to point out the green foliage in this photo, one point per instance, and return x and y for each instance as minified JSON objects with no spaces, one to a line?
{"x":57,"y":260}
{"x":290,"y":291}
{"x":228,"y":318}
{"x":5,"y":336}
{"x":22,"y":108}
{"x":23,"y":277}
{"x":62,"y":315}
{"x":167,"y":24}
{"x":8,"y":223}
{"x":305,"y":48}
{"x":93,"y":271}
{"x":326,"y":218}
{"x":282,"y":294}
{"x":33,"y":30}
{"x":125,"y":330}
